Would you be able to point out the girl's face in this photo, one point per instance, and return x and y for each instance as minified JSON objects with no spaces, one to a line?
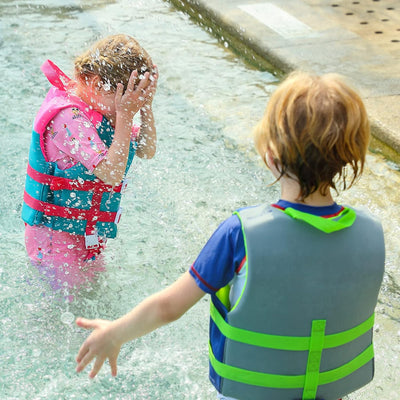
{"x":103,"y":101}
{"x":101,"y":98}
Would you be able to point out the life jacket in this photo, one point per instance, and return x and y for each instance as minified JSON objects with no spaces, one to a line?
{"x":72,"y":200}
{"x":302,"y":326}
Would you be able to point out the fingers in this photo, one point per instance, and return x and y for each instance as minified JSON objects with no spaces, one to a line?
{"x":148,"y":93}
{"x":96,"y":367}
{"x":144,"y":82}
{"x":86,"y":323}
{"x":113,"y":364}
{"x":83,"y":358}
{"x":132,"y":80}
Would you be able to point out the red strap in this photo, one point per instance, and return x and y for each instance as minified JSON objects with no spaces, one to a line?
{"x":38,"y":176}
{"x":59,"y":183}
{"x":53,"y":210}
{"x":92,"y":216}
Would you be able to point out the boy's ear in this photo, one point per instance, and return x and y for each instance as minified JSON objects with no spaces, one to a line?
{"x":273,"y":163}
{"x":269,"y":159}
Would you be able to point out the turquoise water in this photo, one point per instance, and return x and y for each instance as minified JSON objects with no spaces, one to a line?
{"x":207,"y":102}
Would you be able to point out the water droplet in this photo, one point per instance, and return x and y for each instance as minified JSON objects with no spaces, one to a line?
{"x":36,"y":352}
{"x":67,"y":318}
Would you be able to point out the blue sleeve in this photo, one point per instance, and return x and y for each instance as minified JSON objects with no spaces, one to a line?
{"x":222,"y":255}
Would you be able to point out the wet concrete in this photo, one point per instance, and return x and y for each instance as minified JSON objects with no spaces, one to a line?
{"x":358,"y":39}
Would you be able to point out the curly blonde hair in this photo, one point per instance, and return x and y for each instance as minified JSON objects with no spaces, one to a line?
{"x":315,"y":126}
{"x":113,"y":59}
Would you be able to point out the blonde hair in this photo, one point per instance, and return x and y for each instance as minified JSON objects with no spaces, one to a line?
{"x":315,"y":126}
{"x":113,"y":59}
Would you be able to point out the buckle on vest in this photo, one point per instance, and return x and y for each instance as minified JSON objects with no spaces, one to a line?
{"x":118,"y":215}
{"x":92,"y":241}
{"x":124,"y":184}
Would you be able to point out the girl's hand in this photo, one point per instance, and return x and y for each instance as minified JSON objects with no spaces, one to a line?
{"x":151,"y":91}
{"x":130,"y":102}
{"x":101,"y":344}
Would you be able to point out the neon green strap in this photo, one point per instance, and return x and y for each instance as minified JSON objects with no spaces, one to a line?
{"x":328,"y":225}
{"x":255,"y":378}
{"x":314,"y":359}
{"x":297,"y":343}
{"x":288,"y":381}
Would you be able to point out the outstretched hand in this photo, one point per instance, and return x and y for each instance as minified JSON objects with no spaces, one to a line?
{"x":100,"y":345}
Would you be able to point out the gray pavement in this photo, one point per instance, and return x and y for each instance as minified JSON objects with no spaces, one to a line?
{"x":358,"y":39}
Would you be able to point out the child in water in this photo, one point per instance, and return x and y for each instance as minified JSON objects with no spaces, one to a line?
{"x":293,"y":284}
{"x":83,"y":143}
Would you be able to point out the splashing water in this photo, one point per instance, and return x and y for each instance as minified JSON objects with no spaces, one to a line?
{"x":207,"y":102}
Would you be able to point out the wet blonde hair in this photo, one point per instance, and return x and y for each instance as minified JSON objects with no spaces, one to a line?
{"x":113,"y":59}
{"x":314,"y":126}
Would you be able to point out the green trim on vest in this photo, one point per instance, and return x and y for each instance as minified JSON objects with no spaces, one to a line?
{"x":245,"y":248}
{"x":290,"y":343}
{"x":223,"y":295}
{"x":289,"y":381}
{"x":328,"y":225}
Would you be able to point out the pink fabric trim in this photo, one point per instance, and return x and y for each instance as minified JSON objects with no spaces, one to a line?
{"x":54,"y":74}
{"x":135,"y":132}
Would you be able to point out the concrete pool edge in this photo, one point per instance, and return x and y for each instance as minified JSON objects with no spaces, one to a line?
{"x":325,"y":47}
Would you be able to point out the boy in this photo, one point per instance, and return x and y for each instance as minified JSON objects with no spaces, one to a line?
{"x":293,"y":284}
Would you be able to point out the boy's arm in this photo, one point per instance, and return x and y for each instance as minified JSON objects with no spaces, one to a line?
{"x":159,"y":309}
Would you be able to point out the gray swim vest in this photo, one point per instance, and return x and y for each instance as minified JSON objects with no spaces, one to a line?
{"x":302,"y":327}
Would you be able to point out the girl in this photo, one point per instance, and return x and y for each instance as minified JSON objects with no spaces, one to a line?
{"x":83,"y":143}
{"x":293,"y":284}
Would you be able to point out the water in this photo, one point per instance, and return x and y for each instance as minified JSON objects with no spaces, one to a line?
{"x":207,"y":102}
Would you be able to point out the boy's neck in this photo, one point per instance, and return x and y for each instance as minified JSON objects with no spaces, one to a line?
{"x":290,"y":190}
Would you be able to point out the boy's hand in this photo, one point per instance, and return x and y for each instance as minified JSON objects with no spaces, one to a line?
{"x":99,"y":345}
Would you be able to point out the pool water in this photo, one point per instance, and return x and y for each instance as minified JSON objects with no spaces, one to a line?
{"x":206,"y":104}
